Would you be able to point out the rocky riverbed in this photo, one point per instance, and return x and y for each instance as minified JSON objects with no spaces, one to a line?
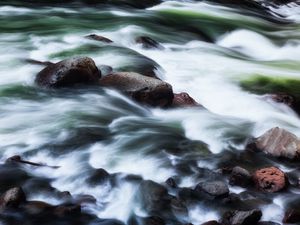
{"x":149,"y":112}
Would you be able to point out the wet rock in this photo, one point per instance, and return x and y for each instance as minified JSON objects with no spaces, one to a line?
{"x":278,"y":143}
{"x":178,"y":208}
{"x":184,"y":100}
{"x":12,"y":198}
{"x":150,"y":220}
{"x":37,"y":207}
{"x":148,"y":43}
{"x":153,"y":196}
{"x":241,"y":217}
{"x":240,"y":177}
{"x":281,"y":98}
{"x":267,"y":223}
{"x":67,"y":210}
{"x":69,"y":72}
{"x":153,"y":220}
{"x":186,"y":195}
{"x":212,"y":222}
{"x":171,"y":182}
{"x":84,"y":199}
{"x":98,"y":38}
{"x":292,"y":216}
{"x":143,"y":89}
{"x":99,"y":176}
{"x":269,"y":179}
{"x":212,"y":188}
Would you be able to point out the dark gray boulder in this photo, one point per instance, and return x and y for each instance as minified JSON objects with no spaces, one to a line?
{"x":69,"y":72}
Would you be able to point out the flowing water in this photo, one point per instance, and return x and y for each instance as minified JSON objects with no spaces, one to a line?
{"x":209,"y":50}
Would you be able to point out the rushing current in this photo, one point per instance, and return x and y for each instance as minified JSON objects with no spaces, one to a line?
{"x":210,"y":51}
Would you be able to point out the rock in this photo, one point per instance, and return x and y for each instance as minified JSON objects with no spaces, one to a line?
{"x":98,"y":38}
{"x":240,"y":177}
{"x":153,"y":196}
{"x":241,"y":217}
{"x":212,"y":222}
{"x":292,"y":216}
{"x":12,"y":198}
{"x":269,"y":179}
{"x":150,"y":220}
{"x":37,"y":207}
{"x":278,"y":143}
{"x":184,"y":100}
{"x":143,"y":89}
{"x":98,"y":176}
{"x":267,"y":223}
{"x":281,"y":98}
{"x":213,"y":188}
{"x":69,"y":72}
{"x":67,"y":210}
{"x":171,"y":182}
{"x":153,"y":220}
{"x":148,"y":43}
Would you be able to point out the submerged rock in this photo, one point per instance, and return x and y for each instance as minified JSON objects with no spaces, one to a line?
{"x":241,"y":217}
{"x":69,"y":72}
{"x":270,"y":179}
{"x":98,"y":38}
{"x":212,"y":222}
{"x":278,"y":142}
{"x":148,"y":43}
{"x":143,"y":89}
{"x":184,"y":100}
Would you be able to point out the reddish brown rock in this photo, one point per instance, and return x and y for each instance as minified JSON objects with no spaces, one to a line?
{"x":184,"y":100}
{"x":278,"y":143}
{"x":146,"y":90}
{"x":269,"y":179}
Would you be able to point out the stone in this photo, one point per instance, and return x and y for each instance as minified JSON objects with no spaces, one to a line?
{"x":12,"y":198}
{"x":146,"y":90}
{"x":98,"y":38}
{"x":69,"y":72}
{"x":148,"y":43}
{"x":184,"y":100}
{"x":240,"y":177}
{"x":213,"y":188}
{"x":241,"y":217}
{"x":278,"y":142}
{"x":270,"y":179}
{"x":292,"y":216}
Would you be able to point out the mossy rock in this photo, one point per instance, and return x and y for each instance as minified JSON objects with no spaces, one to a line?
{"x":265,"y":85}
